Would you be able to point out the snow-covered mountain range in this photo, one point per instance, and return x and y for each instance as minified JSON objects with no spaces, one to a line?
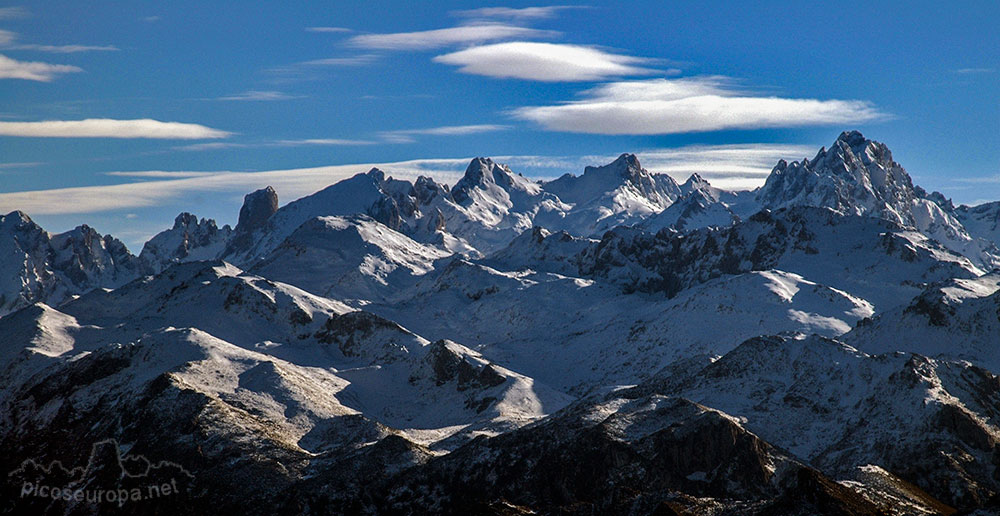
{"x":608,"y":343}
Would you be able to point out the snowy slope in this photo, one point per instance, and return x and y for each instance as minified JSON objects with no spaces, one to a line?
{"x":697,"y":209}
{"x":428,"y":391}
{"x":958,"y":319}
{"x":982,"y":221}
{"x":839,"y":409}
{"x":348,"y":258}
{"x":621,"y":192}
{"x":595,"y":335}
{"x":870,"y":258}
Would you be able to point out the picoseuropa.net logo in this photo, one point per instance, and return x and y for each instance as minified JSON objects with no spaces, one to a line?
{"x":109,"y":477}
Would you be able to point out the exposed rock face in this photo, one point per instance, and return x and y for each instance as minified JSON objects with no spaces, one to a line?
{"x":257,"y":209}
{"x":188,"y":240}
{"x":258,"y":206}
{"x":36,"y":266}
{"x":855,"y":176}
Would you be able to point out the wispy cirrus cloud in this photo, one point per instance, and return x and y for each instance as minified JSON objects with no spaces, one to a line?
{"x":9,"y":13}
{"x":409,"y":135}
{"x":110,"y":128}
{"x":309,"y":70}
{"x":726,"y":166}
{"x":730,"y":167}
{"x":8,"y":40}
{"x":176,"y":185}
{"x":325,"y":141}
{"x":66,"y":49}
{"x":512,"y":13}
{"x":974,"y":71}
{"x":32,"y":70}
{"x":440,"y":38}
{"x":158,"y":174}
{"x":258,"y":96}
{"x":210,"y":146}
{"x":549,"y":62}
{"x":329,"y":29}
{"x":696,"y":104}
{"x":358,"y":60}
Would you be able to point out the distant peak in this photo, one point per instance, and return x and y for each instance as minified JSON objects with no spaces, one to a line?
{"x":185,"y":219}
{"x":479,"y":170}
{"x":17,"y":216}
{"x":258,"y":206}
{"x":376,"y":174}
{"x":696,"y":180}
{"x":627,"y":161}
{"x":626,"y":166}
{"x":852,"y":138}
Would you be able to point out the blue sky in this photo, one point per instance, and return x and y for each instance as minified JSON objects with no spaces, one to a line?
{"x":120,"y":115}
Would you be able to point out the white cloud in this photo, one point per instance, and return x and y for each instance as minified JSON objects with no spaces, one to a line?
{"x":328,"y":29}
{"x":108,"y":128}
{"x":342,"y":61}
{"x":151,"y":19}
{"x":665,"y":106}
{"x":524,"y":13}
{"x":462,"y":35}
{"x":730,"y":167}
{"x":254,"y":95}
{"x":407,"y":135}
{"x":213,"y":146}
{"x":290,"y":184}
{"x":279,"y":143}
{"x":23,"y":164}
{"x":32,"y":71}
{"x":67,"y":49}
{"x":325,"y":141}
{"x":158,"y":174}
{"x":7,"y":40}
{"x":306,"y":70}
{"x":544,"y":62}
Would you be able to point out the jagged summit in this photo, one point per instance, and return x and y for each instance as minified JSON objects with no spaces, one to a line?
{"x":855,"y":176}
{"x":626,"y":166}
{"x":484,"y":172}
{"x":189,"y":239}
{"x":623,"y":184}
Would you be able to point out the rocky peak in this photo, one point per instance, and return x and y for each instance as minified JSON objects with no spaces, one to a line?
{"x":15,"y":219}
{"x":376,"y":174}
{"x":700,"y":186}
{"x":186,"y":220}
{"x":626,"y":166}
{"x":483,"y":173}
{"x":425,"y":189}
{"x":855,"y":176}
{"x":258,"y":206}
{"x":189,"y":239}
{"x":935,"y":197}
